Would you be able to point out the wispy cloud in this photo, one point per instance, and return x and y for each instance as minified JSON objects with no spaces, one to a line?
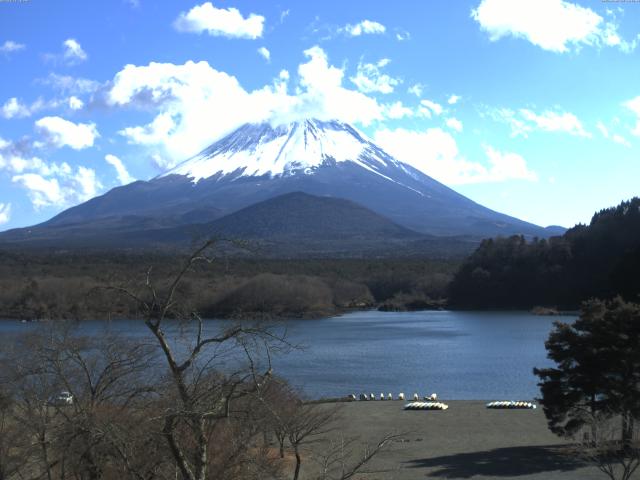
{"x":365,"y":27}
{"x":5,"y":213}
{"x":123,"y":175}
{"x":264,"y":53}
{"x":9,"y":46}
{"x":13,"y":108}
{"x":524,"y":121}
{"x":369,"y":78}
{"x":634,"y":106}
{"x":72,"y":53}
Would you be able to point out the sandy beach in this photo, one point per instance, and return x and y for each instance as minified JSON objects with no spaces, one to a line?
{"x":465,"y":441}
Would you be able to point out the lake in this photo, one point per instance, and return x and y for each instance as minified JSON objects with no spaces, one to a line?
{"x":458,"y":355}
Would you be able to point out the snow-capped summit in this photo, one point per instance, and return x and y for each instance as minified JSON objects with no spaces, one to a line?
{"x":300,"y":147}
{"x":259,"y":162}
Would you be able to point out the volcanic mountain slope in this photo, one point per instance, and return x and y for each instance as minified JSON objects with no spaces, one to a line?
{"x":259,"y":162}
{"x":299,"y":224}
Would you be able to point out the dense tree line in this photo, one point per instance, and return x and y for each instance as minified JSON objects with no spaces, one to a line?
{"x":63,"y":285}
{"x":596,"y":260}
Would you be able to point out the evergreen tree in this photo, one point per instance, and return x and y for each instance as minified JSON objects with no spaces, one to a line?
{"x":597,"y":368}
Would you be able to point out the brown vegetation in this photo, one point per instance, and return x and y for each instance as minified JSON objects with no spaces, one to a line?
{"x":64,"y":286}
{"x":191,"y":403}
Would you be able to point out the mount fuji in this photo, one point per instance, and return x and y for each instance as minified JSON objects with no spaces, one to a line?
{"x":329,"y":160}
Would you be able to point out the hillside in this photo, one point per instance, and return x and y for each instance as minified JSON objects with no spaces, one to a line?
{"x":292,"y":225}
{"x":601,"y":259}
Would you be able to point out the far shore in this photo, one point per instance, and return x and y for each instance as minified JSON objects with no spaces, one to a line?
{"x":262,"y":316}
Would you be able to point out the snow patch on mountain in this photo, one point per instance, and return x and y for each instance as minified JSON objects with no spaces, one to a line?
{"x":297,"y":148}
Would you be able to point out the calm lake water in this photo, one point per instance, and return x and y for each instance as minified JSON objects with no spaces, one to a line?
{"x":458,"y":355}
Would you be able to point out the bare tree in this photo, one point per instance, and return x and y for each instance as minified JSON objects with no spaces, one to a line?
{"x":304,"y":425}
{"x":97,"y":430}
{"x":339,"y":460}
{"x":601,"y":444}
{"x":193,"y":400}
{"x":11,"y":448}
{"x":203,"y":394}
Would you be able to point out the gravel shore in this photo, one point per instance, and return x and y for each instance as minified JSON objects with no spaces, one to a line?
{"x":465,"y":441}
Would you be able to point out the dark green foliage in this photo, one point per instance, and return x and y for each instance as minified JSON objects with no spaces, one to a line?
{"x":597,"y":368}
{"x":599,"y":260}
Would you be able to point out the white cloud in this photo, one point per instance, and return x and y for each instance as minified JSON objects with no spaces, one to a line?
{"x":453,"y":99}
{"x":69,"y":84}
{"x":619,"y":139}
{"x":397,"y":110}
{"x":72,"y":51}
{"x":226,"y":22}
{"x":320,"y":94}
{"x":155,"y":132}
{"x":43,"y":192}
{"x":603,"y":129}
{"x":197,"y":104}
{"x":554,"y":25}
{"x":634,"y":106}
{"x":72,"y":54}
{"x":363,"y":27}
{"x":264,"y":53}
{"x":75,"y":103}
{"x":17,"y":163}
{"x":14,"y":109}
{"x":555,"y":122}
{"x":89,"y":185}
{"x":188,"y":98}
{"x":430,"y":108}
{"x":524,"y":121}
{"x":5,"y":213}
{"x":510,"y":117}
{"x":454,"y":124}
{"x":435,"y":153}
{"x":61,"y":187}
{"x":369,"y":78}
{"x":15,"y":158}
{"x":47,"y":183}
{"x":507,"y":166}
{"x":60,"y":132}
{"x":123,"y":175}
{"x":416,"y":89}
{"x":9,"y":46}
{"x":616,"y":138}
{"x":401,"y":36}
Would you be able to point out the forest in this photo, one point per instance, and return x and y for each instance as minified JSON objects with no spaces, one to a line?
{"x":599,"y":260}
{"x":37,"y":286}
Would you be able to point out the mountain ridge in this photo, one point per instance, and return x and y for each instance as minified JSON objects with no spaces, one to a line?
{"x":257,"y":162}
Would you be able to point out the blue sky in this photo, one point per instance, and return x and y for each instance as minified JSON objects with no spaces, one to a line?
{"x":530,"y":107}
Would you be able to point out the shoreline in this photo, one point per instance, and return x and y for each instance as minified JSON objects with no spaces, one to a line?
{"x":324,"y":315}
